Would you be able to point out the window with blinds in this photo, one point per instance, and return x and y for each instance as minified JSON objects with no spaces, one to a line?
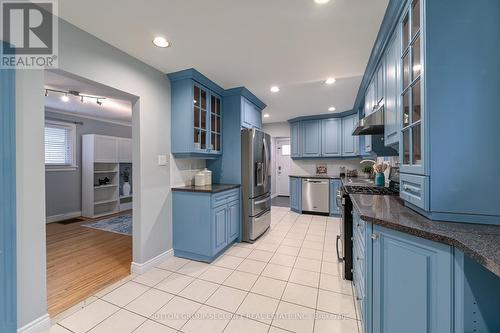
{"x":59,"y":144}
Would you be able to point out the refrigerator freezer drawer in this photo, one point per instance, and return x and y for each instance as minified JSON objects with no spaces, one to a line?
{"x":260,"y":205}
{"x":259,"y":224}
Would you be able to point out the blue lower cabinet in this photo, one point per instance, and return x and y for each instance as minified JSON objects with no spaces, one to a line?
{"x":412,"y":284}
{"x":205,"y":224}
{"x":296,"y":194}
{"x":335,"y":185}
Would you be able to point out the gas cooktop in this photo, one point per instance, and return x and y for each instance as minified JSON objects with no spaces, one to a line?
{"x":373,"y":190}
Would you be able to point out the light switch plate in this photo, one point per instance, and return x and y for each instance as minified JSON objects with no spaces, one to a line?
{"x":162,"y":160}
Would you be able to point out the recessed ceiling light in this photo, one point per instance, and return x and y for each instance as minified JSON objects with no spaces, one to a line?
{"x":65,"y":98}
{"x":331,"y":108}
{"x":266,"y":115}
{"x":330,"y":80}
{"x":275,"y":89}
{"x":321,"y":2}
{"x":161,"y":42}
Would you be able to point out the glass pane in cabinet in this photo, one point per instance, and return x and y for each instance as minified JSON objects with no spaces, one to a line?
{"x":213,"y":139}
{"x":217,"y":110}
{"x":406,"y":32}
{"x":203,"y":140}
{"x":218,"y":125}
{"x":406,"y":109}
{"x":214,"y":127}
{"x":416,"y":64}
{"x":196,"y":117}
{"x":415,"y":101}
{"x":197,"y":138}
{"x":218,"y":142}
{"x":204,"y":99}
{"x":416,"y":145}
{"x":196,"y":96}
{"x":406,"y":147}
{"x":415,"y":17}
{"x":203,"y":119}
{"x":406,"y":70}
{"x":212,"y":104}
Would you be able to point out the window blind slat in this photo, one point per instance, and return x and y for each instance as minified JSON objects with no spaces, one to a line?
{"x":58,"y":145}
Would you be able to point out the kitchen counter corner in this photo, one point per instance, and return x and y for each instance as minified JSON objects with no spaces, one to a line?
{"x":214,"y":188}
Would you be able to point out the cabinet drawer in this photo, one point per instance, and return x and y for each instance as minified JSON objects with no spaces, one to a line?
{"x":414,"y":189}
{"x":225,"y":197}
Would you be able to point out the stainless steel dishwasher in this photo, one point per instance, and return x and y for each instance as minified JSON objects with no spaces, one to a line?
{"x":315,"y":195}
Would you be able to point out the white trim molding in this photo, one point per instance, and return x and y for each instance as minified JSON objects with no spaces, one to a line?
{"x":38,"y":325}
{"x":144,"y":267}
{"x":67,"y":113}
{"x":62,"y":217}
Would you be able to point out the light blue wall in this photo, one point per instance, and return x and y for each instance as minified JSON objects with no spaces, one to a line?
{"x":63,"y":189}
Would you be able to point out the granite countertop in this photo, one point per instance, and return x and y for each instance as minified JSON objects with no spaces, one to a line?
{"x":481,"y":242}
{"x":214,"y":188}
{"x":357,"y":181}
{"x":316,"y":176}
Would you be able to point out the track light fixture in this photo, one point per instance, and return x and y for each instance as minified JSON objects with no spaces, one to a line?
{"x":83,"y":97}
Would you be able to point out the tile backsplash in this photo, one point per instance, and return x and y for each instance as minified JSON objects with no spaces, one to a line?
{"x":182,"y":171}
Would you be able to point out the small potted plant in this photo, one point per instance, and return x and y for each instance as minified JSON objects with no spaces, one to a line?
{"x":367,"y":171}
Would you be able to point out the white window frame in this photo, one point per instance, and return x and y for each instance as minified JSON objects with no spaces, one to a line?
{"x":63,"y":167}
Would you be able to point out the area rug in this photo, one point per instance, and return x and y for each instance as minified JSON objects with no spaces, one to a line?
{"x":119,"y":224}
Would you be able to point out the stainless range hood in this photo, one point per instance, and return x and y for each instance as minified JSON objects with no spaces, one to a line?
{"x":372,"y":124}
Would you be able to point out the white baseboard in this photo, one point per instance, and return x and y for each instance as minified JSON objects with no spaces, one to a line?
{"x":144,"y":267}
{"x":62,"y":217}
{"x":38,"y":325}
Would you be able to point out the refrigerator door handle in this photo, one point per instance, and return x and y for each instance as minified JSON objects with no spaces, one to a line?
{"x":266,"y":161}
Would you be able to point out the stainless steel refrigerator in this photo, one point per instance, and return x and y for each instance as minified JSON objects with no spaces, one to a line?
{"x":256,"y":183}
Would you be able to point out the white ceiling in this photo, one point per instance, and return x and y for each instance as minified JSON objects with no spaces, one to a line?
{"x":116,"y":107}
{"x":295,"y":44}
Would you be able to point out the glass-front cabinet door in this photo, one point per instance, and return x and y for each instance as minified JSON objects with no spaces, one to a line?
{"x":207,"y":120}
{"x":411,"y":149}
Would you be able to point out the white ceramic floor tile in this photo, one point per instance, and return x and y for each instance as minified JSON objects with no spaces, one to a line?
{"x":149,"y":302}
{"x":74,"y":309}
{"x":289,"y":250}
{"x":216,"y":274}
{"x":152,"y":277}
{"x":153,"y":327}
{"x":227,"y":298}
{"x":244,"y":325}
{"x":258,"y":307}
{"x":308,"y":264}
{"x":228,"y":261}
{"x":330,"y":323}
{"x":330,"y":257}
{"x":310,"y":254}
{"x":241,"y":280}
{"x":239,"y":251}
{"x":174,"y":283}
{"x":337,"y":303}
{"x":199,"y":290}
{"x":207,"y":320}
{"x":292,"y":242}
{"x":260,"y":255}
{"x":176,"y":313}
{"x":283,"y":259}
{"x":277,"y":272}
{"x":173,"y":263}
{"x":332,"y":268}
{"x":303,"y":277}
{"x":335,"y":283}
{"x":269,"y":287}
{"x":251,"y":266}
{"x":301,"y":295}
{"x":110,"y":288}
{"x":296,"y":236}
{"x":277,"y":330}
{"x":122,"y":321}
{"x":126,"y":293}
{"x":314,"y":245}
{"x":294,"y":318}
{"x":59,"y":329}
{"x":271,"y":247}
{"x":88,"y":317}
{"x":193,"y":268}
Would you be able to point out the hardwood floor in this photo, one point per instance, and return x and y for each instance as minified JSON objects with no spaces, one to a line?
{"x":81,"y":261}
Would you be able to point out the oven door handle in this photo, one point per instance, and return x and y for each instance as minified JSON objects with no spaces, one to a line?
{"x":337,"y":246}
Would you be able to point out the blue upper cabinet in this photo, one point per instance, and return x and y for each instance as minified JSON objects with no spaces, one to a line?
{"x":331,"y":130}
{"x":393,"y":90}
{"x":350,"y":146}
{"x":251,"y":114}
{"x":311,"y":138}
{"x":295,"y":139}
{"x":196,"y":115}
